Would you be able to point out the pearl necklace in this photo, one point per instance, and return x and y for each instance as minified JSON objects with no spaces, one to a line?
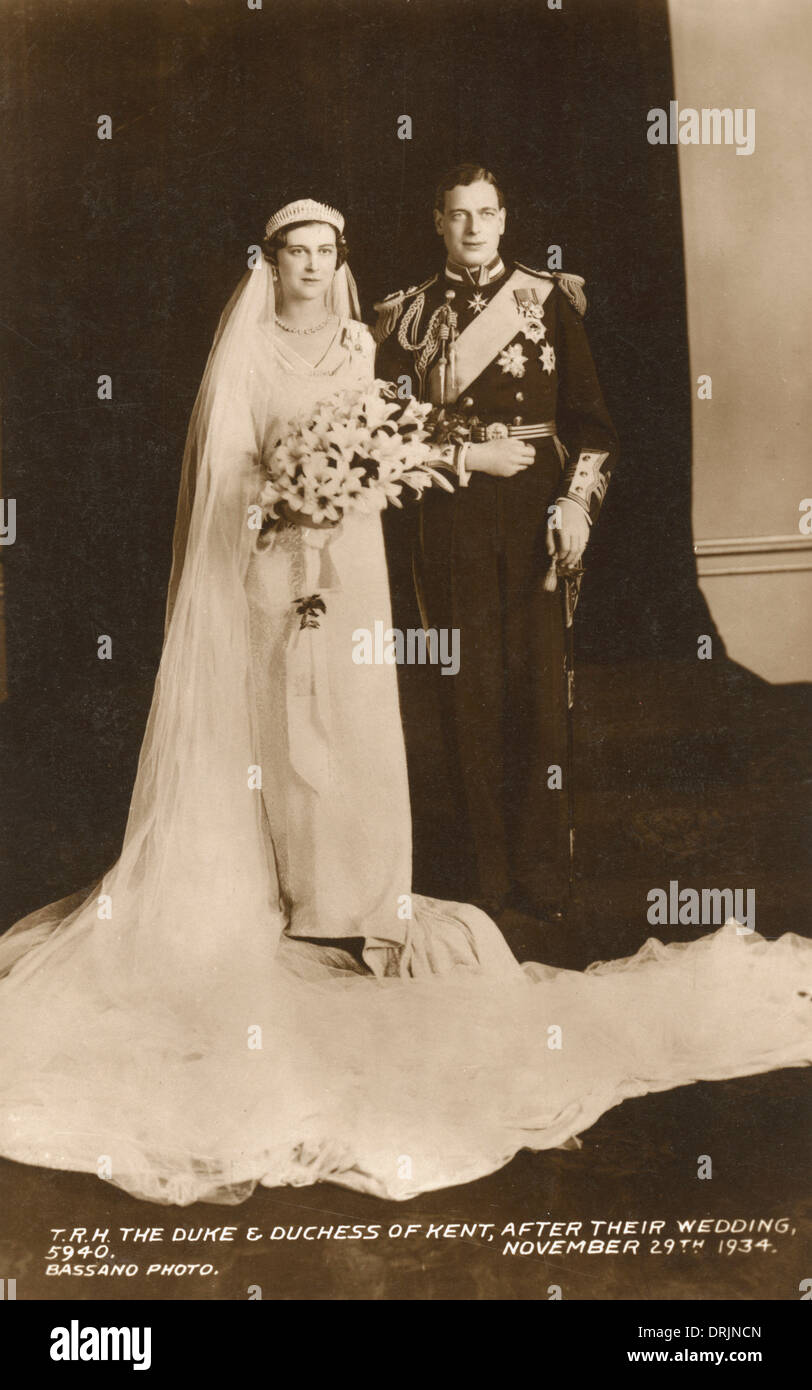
{"x":302,"y":332}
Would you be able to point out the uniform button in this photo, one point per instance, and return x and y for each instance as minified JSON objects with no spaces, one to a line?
{"x":520,"y":395}
{"x":517,"y":420}
{"x":468,"y":401}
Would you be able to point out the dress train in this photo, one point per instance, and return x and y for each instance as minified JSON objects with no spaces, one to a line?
{"x":393,"y":1086}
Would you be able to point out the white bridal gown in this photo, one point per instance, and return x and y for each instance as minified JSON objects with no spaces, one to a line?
{"x":178,"y":1032}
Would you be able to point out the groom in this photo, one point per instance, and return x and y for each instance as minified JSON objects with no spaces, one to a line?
{"x":504,"y":346}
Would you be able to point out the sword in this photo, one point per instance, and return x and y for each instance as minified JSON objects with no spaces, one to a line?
{"x":572,"y":577}
{"x":448,"y":331}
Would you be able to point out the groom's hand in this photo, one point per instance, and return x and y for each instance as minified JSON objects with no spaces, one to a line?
{"x":568,"y":539}
{"x":502,"y":458}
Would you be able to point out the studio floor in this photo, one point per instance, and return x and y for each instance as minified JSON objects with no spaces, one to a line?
{"x":681,"y":776}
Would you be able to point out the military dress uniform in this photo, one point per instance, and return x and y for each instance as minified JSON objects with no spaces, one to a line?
{"x":516,"y":361}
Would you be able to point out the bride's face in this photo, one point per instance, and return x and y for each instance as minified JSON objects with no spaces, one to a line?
{"x":307,"y":261}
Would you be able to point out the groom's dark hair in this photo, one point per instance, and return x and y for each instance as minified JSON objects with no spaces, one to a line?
{"x":462,"y":175}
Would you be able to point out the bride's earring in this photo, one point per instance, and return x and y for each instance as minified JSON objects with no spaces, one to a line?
{"x":274,"y":273}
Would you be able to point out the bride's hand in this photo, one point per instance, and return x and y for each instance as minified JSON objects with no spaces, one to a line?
{"x":294,"y":518}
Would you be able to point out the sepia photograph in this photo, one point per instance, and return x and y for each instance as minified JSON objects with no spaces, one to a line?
{"x":405,"y":660}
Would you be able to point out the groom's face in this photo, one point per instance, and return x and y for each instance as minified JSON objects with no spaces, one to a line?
{"x":471,"y":223}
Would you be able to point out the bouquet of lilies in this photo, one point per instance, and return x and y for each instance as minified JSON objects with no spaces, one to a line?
{"x":357,"y":453}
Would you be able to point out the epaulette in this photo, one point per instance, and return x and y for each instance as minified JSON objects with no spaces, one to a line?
{"x":389,"y":309}
{"x":572,"y":285}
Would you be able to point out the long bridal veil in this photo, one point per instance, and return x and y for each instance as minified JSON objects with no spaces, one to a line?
{"x":175,"y":911}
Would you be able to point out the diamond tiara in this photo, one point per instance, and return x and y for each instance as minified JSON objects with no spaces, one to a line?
{"x":307,"y":210}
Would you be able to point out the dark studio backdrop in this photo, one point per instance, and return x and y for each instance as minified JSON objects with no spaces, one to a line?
{"x":121,"y":253}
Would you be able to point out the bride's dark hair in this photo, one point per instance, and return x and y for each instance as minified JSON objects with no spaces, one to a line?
{"x":272,"y":244}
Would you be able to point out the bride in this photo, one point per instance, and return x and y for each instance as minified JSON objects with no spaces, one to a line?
{"x":252,"y":993}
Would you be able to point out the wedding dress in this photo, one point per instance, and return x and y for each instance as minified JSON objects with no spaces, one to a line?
{"x":180,"y":1031}
{"x":335,"y":787}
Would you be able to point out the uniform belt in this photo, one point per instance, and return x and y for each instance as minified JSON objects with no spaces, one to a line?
{"x":499,"y":430}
